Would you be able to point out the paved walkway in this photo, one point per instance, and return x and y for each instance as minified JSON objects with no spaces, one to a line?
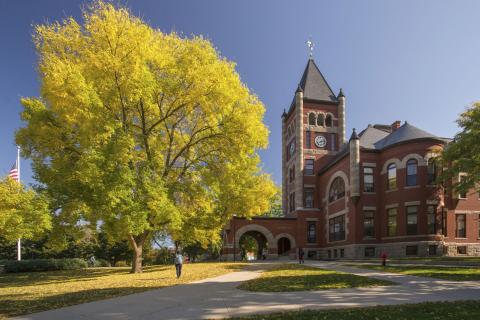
{"x":218,"y":298}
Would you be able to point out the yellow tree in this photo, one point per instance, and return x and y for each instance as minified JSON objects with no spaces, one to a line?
{"x":137,"y":130}
{"x":23,"y":213}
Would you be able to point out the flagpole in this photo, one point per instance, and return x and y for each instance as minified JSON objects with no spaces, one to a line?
{"x":19,"y":242}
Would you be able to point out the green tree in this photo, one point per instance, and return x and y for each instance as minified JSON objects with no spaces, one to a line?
{"x":23,"y":212}
{"x":143,"y":131}
{"x":463,"y":154}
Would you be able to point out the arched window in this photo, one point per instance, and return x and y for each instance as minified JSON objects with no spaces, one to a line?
{"x":328,"y":120}
{"x":320,"y":120}
{"x":311,"y":119}
{"x":412,"y":172}
{"x":432,"y":171}
{"x":337,"y":190}
{"x":391,"y":176}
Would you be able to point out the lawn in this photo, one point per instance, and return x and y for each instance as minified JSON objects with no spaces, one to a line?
{"x":23,"y":293}
{"x":294,"y":277}
{"x":446,"y":273}
{"x":423,"y":311}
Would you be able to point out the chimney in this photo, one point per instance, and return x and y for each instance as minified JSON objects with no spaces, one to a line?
{"x":395,"y":125}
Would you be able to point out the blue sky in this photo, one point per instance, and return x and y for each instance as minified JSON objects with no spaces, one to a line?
{"x":395,"y":60}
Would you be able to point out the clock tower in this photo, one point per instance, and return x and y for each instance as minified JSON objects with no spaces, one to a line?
{"x":313,"y":131}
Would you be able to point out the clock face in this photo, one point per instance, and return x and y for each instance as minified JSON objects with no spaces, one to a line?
{"x":320,"y":141}
{"x":292,"y":148}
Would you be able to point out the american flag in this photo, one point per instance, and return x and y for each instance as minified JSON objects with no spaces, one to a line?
{"x":14,"y":174}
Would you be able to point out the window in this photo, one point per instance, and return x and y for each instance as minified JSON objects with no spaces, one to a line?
{"x":462,"y":250}
{"x":309,"y":167}
{"x":479,"y":226}
{"x":412,"y":220}
{"x":311,"y":119}
{"x":463,"y":194}
{"x":432,"y":250}
{"x":311,"y":254}
{"x":369,"y":252}
{"x":431,"y":225}
{"x":292,"y":202}
{"x":335,"y":255}
{"x":308,"y":140}
{"x":342,"y":253}
{"x":333,"y":143}
{"x":337,"y":190}
{"x":368,"y":185}
{"x":329,"y":252}
{"x":328,"y":120}
{"x":412,"y":172}
{"x":391,"y":176}
{"x":461,"y":226}
{"x":411,"y":250}
{"x":311,"y":232}
{"x":320,"y":120}
{"x":292,"y":173}
{"x":308,"y":198}
{"x":368,"y":224}
{"x":392,"y":222}
{"x":337,"y":228}
{"x":431,"y":171}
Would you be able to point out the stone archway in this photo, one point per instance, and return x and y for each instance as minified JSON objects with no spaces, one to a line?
{"x":284,"y":246}
{"x":272,"y":244}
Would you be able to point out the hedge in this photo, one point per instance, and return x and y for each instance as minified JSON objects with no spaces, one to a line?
{"x":45,"y":265}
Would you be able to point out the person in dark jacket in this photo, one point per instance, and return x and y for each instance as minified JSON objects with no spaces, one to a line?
{"x":301,"y":254}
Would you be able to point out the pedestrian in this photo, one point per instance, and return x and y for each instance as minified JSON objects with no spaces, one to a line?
{"x":178,"y":263}
{"x":384,"y":258}
{"x":264,"y":253}
{"x":301,"y":254}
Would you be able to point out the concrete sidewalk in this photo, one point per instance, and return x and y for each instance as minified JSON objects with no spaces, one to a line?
{"x":218,"y":298}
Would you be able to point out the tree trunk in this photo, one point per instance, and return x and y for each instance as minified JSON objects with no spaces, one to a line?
{"x":137,"y":246}
{"x":137,"y":260}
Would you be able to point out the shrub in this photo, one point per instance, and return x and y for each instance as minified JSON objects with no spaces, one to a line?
{"x":122,"y":263}
{"x":44,"y":265}
{"x":101,"y":263}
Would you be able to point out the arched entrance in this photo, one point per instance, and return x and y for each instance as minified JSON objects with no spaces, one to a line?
{"x":253,"y":245}
{"x":284,"y":246}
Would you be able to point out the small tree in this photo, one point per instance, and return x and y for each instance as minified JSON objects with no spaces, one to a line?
{"x":23,"y":213}
{"x":463,"y":154}
{"x":143,"y":131}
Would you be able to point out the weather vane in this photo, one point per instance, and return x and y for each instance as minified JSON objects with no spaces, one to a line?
{"x":310,"y":46}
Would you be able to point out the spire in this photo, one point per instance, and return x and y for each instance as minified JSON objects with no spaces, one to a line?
{"x":299,"y":89}
{"x":314,"y":85}
{"x":354,"y":135}
{"x":340,"y":94}
{"x":284,"y":114}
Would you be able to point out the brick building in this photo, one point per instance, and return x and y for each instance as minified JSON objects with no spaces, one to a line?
{"x":375,"y":192}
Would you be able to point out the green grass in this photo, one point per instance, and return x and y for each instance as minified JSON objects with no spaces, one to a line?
{"x":455,"y":310}
{"x":294,"y":277}
{"x":23,"y":293}
{"x":446,"y":273}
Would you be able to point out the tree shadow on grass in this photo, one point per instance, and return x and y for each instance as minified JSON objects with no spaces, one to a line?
{"x":16,"y":306}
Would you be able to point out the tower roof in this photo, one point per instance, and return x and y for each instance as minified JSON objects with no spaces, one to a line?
{"x":314,"y":85}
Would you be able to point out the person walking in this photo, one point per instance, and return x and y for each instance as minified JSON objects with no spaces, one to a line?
{"x":178,"y":263}
{"x":301,"y":254}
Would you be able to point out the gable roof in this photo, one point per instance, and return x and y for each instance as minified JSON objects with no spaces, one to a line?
{"x":314,"y":85}
{"x":375,"y":139}
{"x":406,"y":132}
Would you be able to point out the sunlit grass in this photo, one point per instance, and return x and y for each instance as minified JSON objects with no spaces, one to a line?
{"x":294,"y":277}
{"x":446,"y":273}
{"x":422,"y":311}
{"x":24,"y":293}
